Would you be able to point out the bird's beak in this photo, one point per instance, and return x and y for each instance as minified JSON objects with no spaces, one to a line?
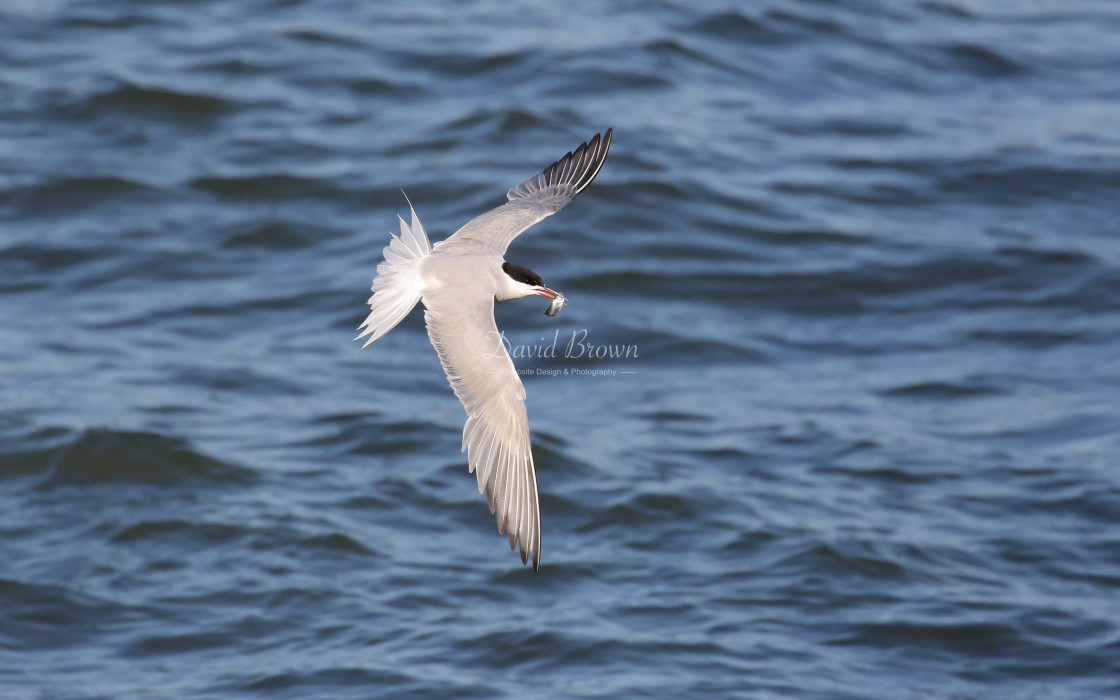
{"x":547,"y":292}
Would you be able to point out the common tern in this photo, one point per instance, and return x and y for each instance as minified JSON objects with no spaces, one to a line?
{"x":459,"y":280}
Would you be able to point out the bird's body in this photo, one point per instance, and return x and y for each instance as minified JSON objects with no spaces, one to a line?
{"x":459,"y":280}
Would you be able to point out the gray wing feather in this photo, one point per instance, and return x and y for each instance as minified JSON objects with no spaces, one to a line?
{"x":568,"y":176}
{"x":496,"y":435}
{"x":540,"y":196}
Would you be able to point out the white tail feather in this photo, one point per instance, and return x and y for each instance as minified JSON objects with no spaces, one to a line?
{"x":398,"y":284}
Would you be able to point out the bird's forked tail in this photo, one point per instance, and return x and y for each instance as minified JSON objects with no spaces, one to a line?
{"x":398,"y":284}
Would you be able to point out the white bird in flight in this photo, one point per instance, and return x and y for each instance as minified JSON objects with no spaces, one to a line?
{"x":459,"y":280}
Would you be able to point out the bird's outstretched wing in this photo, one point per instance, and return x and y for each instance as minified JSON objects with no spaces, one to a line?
{"x":496,"y":436}
{"x":540,"y":196}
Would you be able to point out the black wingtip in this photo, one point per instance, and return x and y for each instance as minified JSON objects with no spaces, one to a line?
{"x":592,"y":155}
{"x":536,"y":554}
{"x":577,"y":168}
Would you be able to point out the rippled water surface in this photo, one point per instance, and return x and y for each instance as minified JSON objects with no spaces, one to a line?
{"x":865,"y":253}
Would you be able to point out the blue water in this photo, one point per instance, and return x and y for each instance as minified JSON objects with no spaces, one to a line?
{"x":866,"y":253}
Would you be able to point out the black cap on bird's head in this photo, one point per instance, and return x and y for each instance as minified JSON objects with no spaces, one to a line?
{"x":522,"y":274}
{"x":522,"y":283}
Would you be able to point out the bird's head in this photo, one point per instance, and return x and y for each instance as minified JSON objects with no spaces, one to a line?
{"x":518,"y":282}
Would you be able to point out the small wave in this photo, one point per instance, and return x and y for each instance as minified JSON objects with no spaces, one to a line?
{"x":149,"y":102}
{"x":866,"y":127}
{"x":367,"y":434}
{"x":274,"y":187}
{"x":973,"y":280}
{"x":944,"y":390}
{"x":336,"y":543}
{"x":507,"y":649}
{"x":26,"y":267}
{"x":1058,"y":431}
{"x":1096,"y":503}
{"x":331,"y":38}
{"x":329,"y":681}
{"x":751,"y":541}
{"x":239,"y":379}
{"x":668,"y":59}
{"x":738,"y":27}
{"x":847,"y":559}
{"x":612,"y":81}
{"x":1028,"y":184}
{"x":166,"y":531}
{"x":163,"y":645}
{"x":39,"y":616}
{"x":982,"y":61}
{"x":971,"y":639}
{"x":105,"y":18}
{"x":272,"y":234}
{"x":236,"y":306}
{"x":483,"y":122}
{"x":553,"y":456}
{"x":100,"y":456}
{"x":462,"y":64}
{"x":374,"y":86}
{"x":179,"y":536}
{"x":946,"y":9}
{"x":644,"y":510}
{"x":67,"y":196}
{"x":807,"y":25}
{"x":1034,"y":339}
{"x":629,"y":282}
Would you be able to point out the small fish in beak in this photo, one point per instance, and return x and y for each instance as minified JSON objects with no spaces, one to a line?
{"x":557,"y":303}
